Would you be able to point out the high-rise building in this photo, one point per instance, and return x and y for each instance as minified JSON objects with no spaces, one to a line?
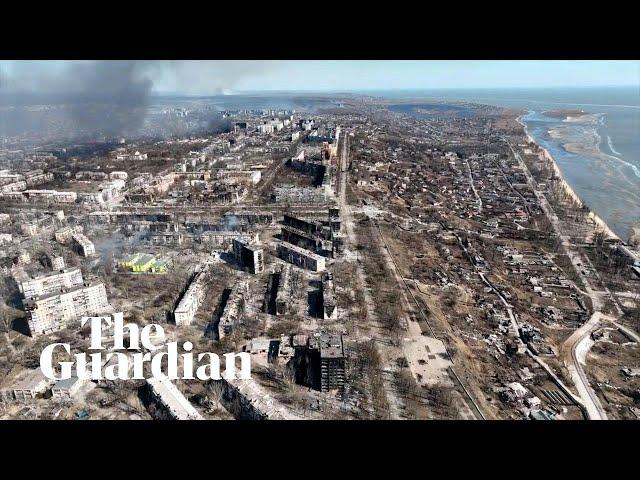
{"x":51,"y":312}
{"x":328,"y":361}
{"x":48,"y":284}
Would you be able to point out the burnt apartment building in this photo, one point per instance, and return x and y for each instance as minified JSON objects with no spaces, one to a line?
{"x":250,"y":256}
{"x":284,"y":290}
{"x":320,"y":361}
{"x":308,"y":227}
{"x":323,"y":238}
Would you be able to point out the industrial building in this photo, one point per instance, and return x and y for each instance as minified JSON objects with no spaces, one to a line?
{"x":174,"y":402}
{"x":82,"y":245}
{"x":54,"y":311}
{"x":301,"y":257}
{"x":250,"y":257}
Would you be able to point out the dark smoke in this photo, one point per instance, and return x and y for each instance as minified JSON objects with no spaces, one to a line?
{"x":106,"y":97}
{"x":112,"y":97}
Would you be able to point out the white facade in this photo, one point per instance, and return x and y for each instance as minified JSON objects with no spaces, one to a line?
{"x":51,"y":283}
{"x":57,"y":263}
{"x":118,"y":175}
{"x":172,"y":399}
{"x":83,"y":245}
{"x":53,"y":312}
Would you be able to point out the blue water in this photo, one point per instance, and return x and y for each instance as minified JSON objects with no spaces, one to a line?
{"x":608,"y":181}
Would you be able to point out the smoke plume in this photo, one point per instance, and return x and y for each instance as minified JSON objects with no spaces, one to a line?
{"x":107,"y":97}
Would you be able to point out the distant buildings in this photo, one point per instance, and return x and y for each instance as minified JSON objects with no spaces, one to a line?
{"x":118,"y":176}
{"x":41,"y":196}
{"x":131,"y":156}
{"x":251,"y":177}
{"x":265,"y":128}
{"x":221,"y":238}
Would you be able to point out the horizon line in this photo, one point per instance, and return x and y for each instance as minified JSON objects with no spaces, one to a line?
{"x":396,"y":89}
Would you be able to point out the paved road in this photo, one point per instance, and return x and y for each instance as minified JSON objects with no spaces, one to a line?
{"x":473,"y":187}
{"x":575,"y":350}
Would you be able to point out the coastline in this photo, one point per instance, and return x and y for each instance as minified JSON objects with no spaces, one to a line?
{"x":599,"y":222}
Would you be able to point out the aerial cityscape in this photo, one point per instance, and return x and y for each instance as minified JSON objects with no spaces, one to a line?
{"x":383,"y":240}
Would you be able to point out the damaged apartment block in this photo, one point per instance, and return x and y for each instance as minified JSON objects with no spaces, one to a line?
{"x":233,"y":311}
{"x":249,"y":256}
{"x":329,"y":306}
{"x":320,"y":361}
{"x":53,"y":301}
{"x":186,"y":309}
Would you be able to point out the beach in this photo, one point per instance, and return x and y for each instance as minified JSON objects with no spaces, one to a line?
{"x":598,"y":221}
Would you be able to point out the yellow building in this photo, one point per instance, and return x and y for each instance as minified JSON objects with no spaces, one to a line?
{"x":144,"y":263}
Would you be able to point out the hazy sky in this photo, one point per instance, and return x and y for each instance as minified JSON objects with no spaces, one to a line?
{"x":209,"y":77}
